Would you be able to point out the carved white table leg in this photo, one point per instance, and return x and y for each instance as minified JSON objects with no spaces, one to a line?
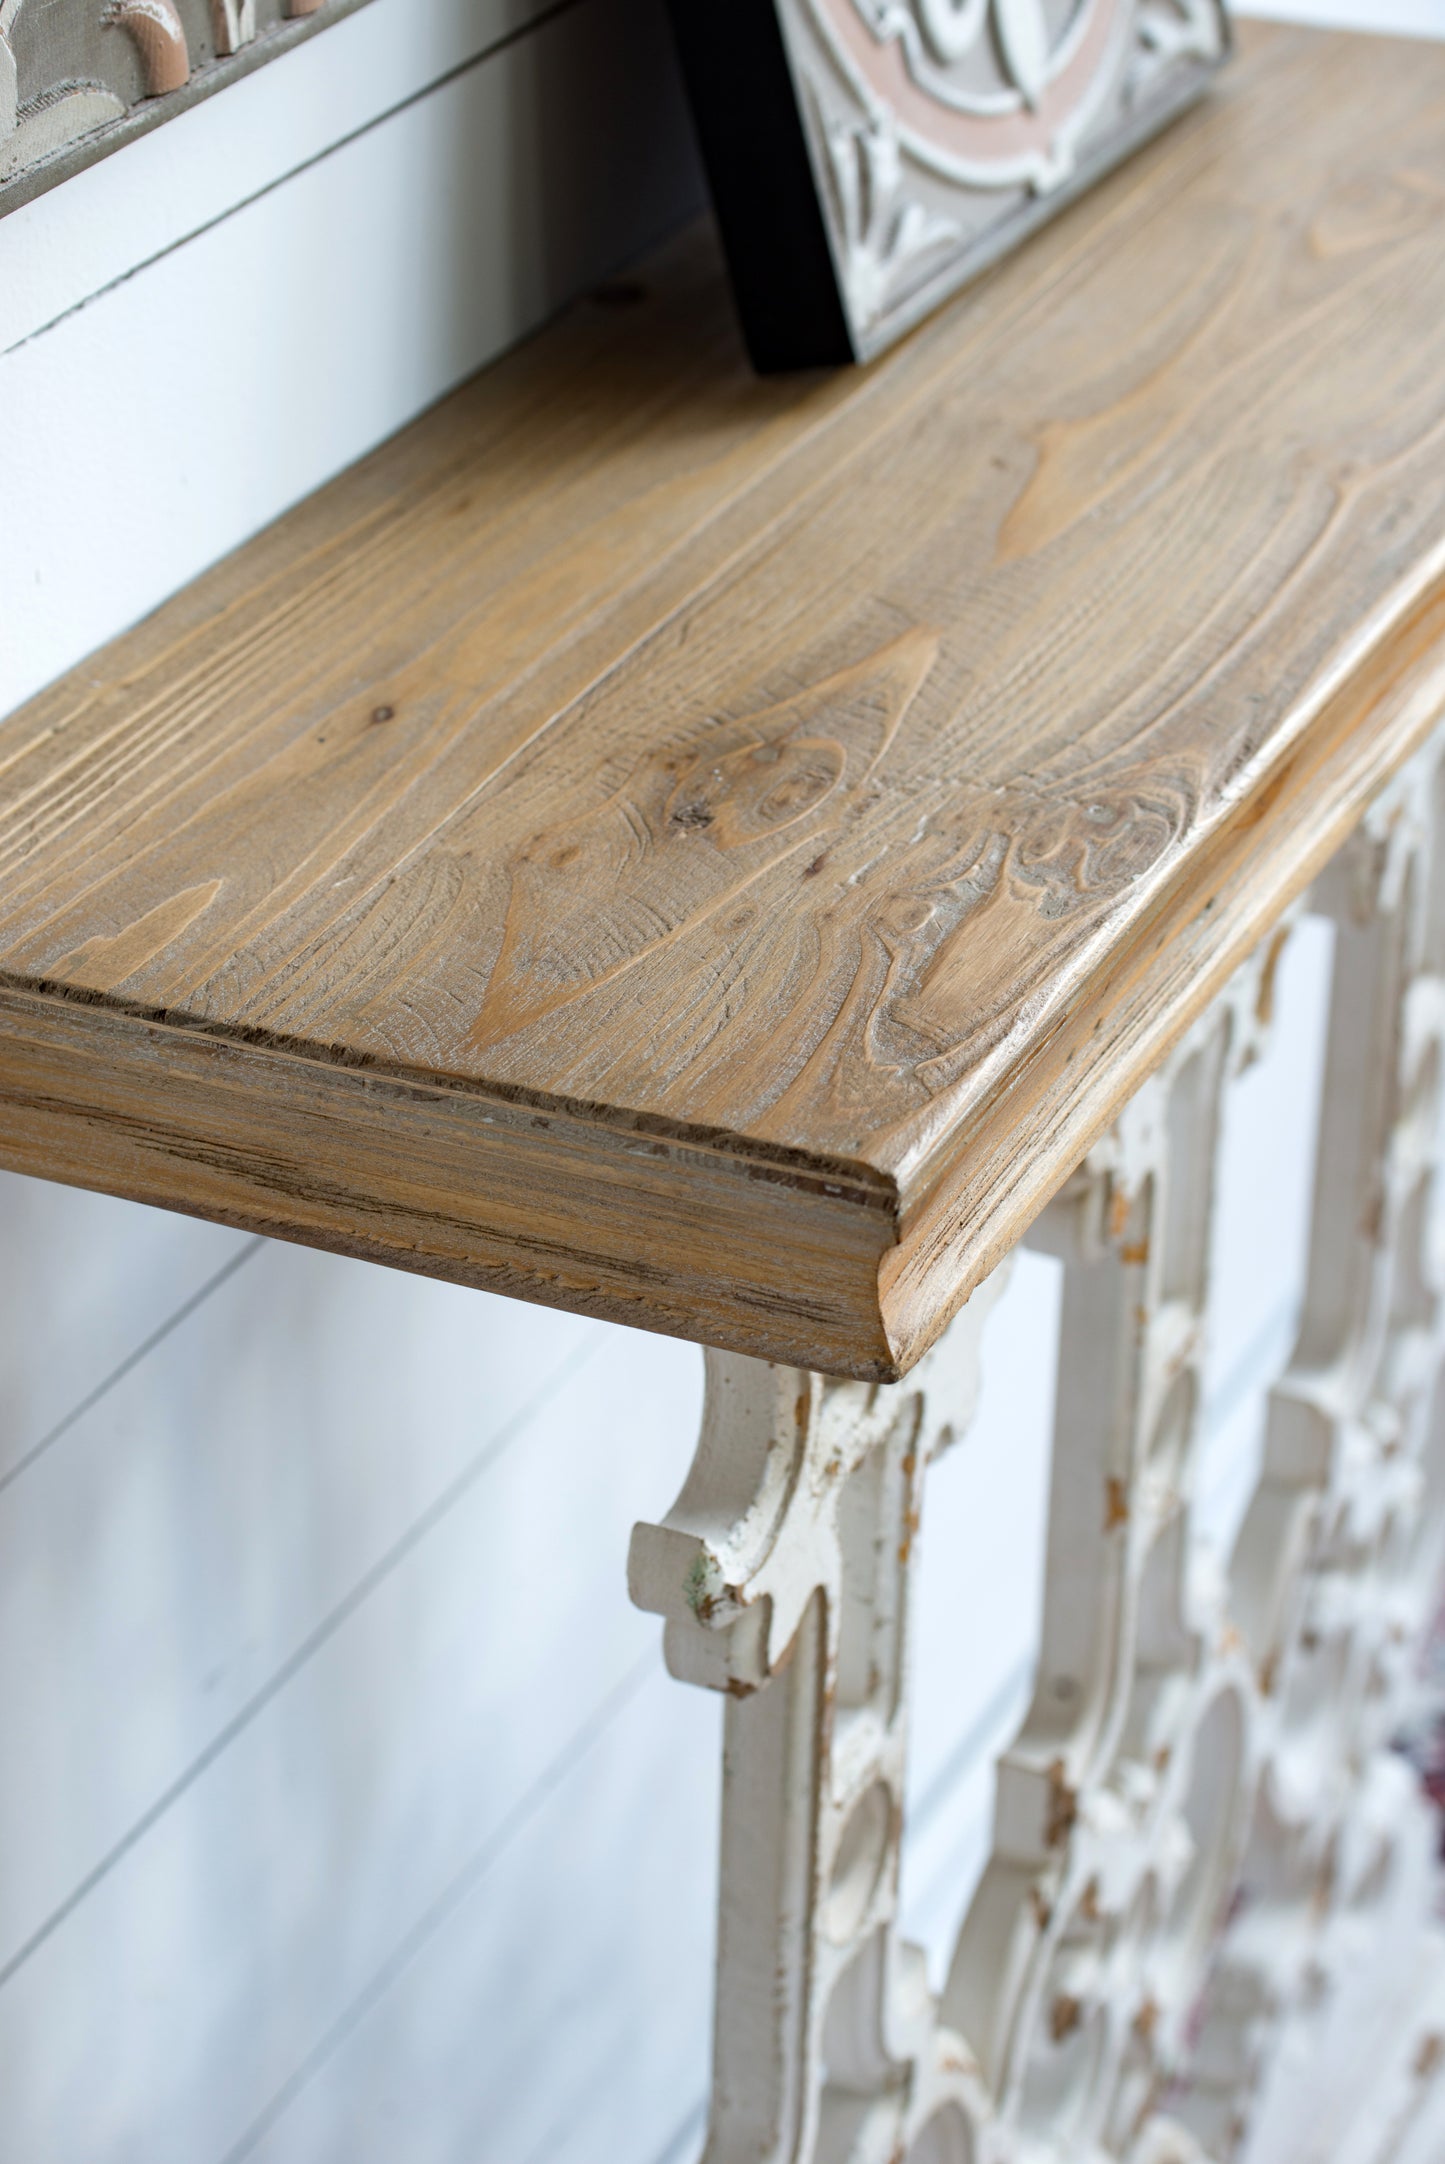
{"x":783,"y":1572}
{"x":1120,"y":1813}
{"x":1203,"y":1778}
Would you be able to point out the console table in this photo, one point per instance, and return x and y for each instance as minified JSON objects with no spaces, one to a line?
{"x":738,"y":857}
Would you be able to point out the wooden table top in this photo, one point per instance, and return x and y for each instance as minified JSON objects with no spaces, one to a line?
{"x":715,"y":852}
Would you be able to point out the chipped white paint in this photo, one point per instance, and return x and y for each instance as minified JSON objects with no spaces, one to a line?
{"x":234,"y":22}
{"x":1202,"y":1839}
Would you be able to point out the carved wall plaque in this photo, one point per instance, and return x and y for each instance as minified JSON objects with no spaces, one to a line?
{"x":80,"y":77}
{"x":869,"y":156}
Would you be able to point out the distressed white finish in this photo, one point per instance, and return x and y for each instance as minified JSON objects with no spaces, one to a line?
{"x":1201,"y":1835}
{"x":783,"y":1571}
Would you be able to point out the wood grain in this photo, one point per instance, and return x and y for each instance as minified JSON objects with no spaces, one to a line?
{"x":716,"y":852}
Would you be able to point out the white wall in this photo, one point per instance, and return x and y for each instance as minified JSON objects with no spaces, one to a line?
{"x":209,"y":323}
{"x":1408,"y":18}
{"x":345,"y":1810}
{"x":346,"y":1815}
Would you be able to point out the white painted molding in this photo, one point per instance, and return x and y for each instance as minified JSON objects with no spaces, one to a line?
{"x":155,"y":192}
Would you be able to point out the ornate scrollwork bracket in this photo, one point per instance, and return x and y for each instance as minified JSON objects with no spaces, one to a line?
{"x":783,"y":1572}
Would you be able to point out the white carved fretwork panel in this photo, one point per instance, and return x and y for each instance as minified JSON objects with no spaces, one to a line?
{"x":1202,"y":1833}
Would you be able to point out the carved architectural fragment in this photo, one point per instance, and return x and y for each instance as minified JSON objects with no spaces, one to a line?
{"x":235,"y":23}
{"x":160,"y":39}
{"x":37,"y":121}
{"x":79,"y":77}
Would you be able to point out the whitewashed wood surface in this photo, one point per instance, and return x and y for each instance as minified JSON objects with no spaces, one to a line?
{"x":346,"y":1813}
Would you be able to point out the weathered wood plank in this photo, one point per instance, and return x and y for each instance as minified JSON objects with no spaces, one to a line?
{"x":819,"y":803}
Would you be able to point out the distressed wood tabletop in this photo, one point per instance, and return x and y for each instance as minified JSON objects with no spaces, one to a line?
{"x":715,"y":853}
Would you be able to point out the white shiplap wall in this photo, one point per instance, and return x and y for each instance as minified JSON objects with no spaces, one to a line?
{"x":345,"y":1812}
{"x":346,"y":1815}
{"x":203,"y":327}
